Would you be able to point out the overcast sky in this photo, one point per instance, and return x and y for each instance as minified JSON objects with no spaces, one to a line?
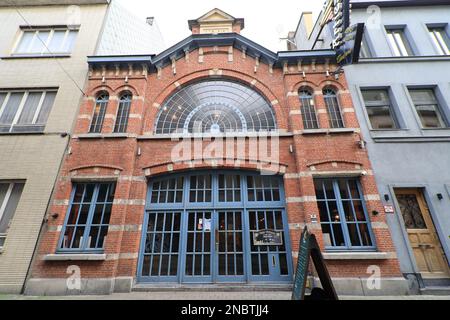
{"x":265,"y":21}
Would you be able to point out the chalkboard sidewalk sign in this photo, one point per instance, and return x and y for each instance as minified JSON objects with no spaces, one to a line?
{"x":309,"y":248}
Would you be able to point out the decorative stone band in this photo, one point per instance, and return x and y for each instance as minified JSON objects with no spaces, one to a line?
{"x":129,"y":202}
{"x":301,"y":199}
{"x":301,"y":226}
{"x":89,"y":256}
{"x":119,"y":178}
{"x":111,"y":228}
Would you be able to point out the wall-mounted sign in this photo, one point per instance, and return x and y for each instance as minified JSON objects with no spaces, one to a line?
{"x":348,"y":52}
{"x":341,"y":18}
{"x":267,"y":238}
{"x":347,"y":39}
{"x":389,"y":209}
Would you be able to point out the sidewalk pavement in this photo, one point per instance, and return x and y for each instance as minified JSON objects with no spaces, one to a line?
{"x":249,"y":296}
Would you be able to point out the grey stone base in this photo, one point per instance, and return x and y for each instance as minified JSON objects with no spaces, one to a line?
{"x":359,"y":287}
{"x":344,"y":286}
{"x":59,"y":287}
{"x":10,"y":289}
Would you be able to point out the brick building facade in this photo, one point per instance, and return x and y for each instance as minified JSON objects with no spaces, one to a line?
{"x":315,"y":145}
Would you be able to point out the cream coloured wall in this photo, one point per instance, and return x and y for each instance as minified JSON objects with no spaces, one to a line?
{"x":36,"y":158}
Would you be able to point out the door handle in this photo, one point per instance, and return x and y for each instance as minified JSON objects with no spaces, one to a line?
{"x":274,"y":262}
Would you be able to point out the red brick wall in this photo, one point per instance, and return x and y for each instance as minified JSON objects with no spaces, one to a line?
{"x":118,"y":157}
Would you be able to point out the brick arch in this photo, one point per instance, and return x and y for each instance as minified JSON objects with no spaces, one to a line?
{"x":124,"y":88}
{"x":183,"y":166}
{"x":227,"y":74}
{"x":100,"y":88}
{"x":332,"y":83}
{"x":303,"y":83}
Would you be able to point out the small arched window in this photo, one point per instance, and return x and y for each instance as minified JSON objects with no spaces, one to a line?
{"x":123,"y":113}
{"x":308,"y":109}
{"x":334,"y":110}
{"x":99,"y":113}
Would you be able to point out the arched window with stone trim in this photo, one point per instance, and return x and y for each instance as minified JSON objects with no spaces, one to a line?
{"x":333,"y":108}
{"x":215,"y":107}
{"x":308,"y":109}
{"x":98,"y":116}
{"x":123,"y":112}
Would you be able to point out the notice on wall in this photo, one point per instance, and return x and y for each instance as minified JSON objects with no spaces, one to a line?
{"x":207,"y":225}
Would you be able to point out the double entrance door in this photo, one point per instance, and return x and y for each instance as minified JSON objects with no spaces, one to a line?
{"x":217,"y":245}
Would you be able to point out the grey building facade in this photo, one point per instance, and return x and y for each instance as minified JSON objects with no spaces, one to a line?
{"x":401,"y":93}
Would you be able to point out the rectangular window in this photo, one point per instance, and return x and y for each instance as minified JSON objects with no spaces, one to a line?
{"x":25,"y":111}
{"x":263,"y":189}
{"x":365,"y":51}
{"x":87,"y":225}
{"x":343,"y":215}
{"x":9,"y":199}
{"x":427,"y":108}
{"x":46,"y":41}
{"x":441,"y":40}
{"x":379,"y":109}
{"x":399,"y":43}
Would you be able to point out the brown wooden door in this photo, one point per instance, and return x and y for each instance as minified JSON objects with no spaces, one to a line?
{"x":422,"y":234}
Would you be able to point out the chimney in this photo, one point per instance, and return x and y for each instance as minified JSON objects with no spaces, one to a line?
{"x":150,"y":20}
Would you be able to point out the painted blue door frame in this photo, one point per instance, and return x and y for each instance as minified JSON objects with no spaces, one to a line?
{"x":198,"y":228}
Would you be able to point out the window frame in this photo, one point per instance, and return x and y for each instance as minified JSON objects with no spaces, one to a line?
{"x":338,"y":103}
{"x":20,"y":109}
{"x":367,"y":44}
{"x":343,"y":221}
{"x":88,"y":225}
{"x":439,"y":105}
{"x":393,"y":110}
{"x":431,"y":29}
{"x":5,"y":202}
{"x":45,"y":51}
{"x":406,"y":41}
{"x":313,"y":107}
{"x":121,"y":123}
{"x":98,"y":101}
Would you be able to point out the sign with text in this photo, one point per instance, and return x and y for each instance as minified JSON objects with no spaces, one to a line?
{"x":348,"y":52}
{"x":267,"y":238}
{"x":309,"y":248}
{"x":341,"y":19}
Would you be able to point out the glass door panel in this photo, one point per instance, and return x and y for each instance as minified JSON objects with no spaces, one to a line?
{"x":162,"y":245}
{"x":230,"y":246}
{"x":199,"y":247}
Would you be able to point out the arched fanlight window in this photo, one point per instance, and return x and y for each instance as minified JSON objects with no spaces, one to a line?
{"x":123,"y":113}
{"x":308,"y":109}
{"x":215,"y":106}
{"x":334,"y":110}
{"x":99,"y":112}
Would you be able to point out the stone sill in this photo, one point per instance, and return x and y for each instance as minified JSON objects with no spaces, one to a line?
{"x":75,"y":257}
{"x":328,"y":131}
{"x":103,"y":136}
{"x":33,"y":56}
{"x":355,"y":256}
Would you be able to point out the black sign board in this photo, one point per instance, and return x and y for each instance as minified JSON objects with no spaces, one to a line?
{"x":267,"y":238}
{"x":348,"y":52}
{"x":309,"y":248}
